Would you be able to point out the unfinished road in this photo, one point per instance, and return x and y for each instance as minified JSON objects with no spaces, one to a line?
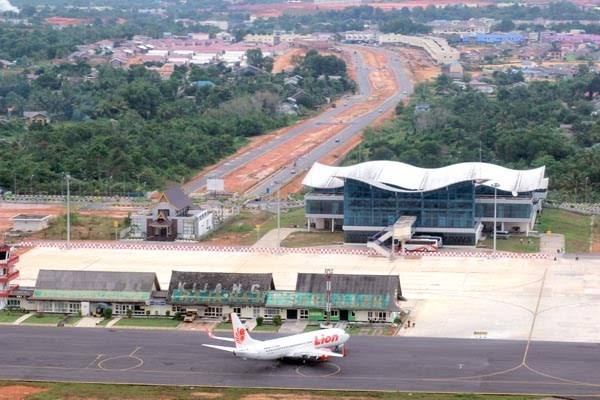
{"x":382,"y":81}
{"x":373,"y":363}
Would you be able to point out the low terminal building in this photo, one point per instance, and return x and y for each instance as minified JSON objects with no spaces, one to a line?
{"x":353,"y":298}
{"x":455,"y":202}
{"x":85,"y":292}
{"x":217,"y":294}
{"x":213,"y":295}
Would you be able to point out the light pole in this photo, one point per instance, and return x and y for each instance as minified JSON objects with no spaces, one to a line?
{"x":278,"y":217}
{"x":495,"y":186}
{"x":328,"y":273}
{"x":68,"y":179}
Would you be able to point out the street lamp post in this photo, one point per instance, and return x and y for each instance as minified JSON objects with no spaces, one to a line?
{"x":68,"y":179}
{"x":328,"y":273}
{"x":278,"y":217}
{"x":495,"y":186}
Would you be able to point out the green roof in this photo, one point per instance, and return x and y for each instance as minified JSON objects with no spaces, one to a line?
{"x":349,"y":301}
{"x":224,"y":297}
{"x":90,"y":295}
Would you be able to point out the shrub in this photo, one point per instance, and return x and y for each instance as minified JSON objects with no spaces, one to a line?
{"x":259,"y":321}
{"x":129,"y":313}
{"x":277,"y":320}
{"x":107,"y":313}
{"x":147,"y":313}
{"x":168,"y":313}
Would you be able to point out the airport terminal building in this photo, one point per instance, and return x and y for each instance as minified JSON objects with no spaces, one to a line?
{"x":455,"y":202}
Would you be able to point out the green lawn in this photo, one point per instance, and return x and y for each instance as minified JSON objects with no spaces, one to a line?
{"x":513,"y":243}
{"x":309,"y":239}
{"x":45,"y":319}
{"x":83,"y":227}
{"x":149,"y":322}
{"x":73,"y":320}
{"x":241,"y":230}
{"x":224,"y":326}
{"x":10,"y":316}
{"x":575,"y":227}
{"x":81,"y":391}
{"x":312,"y":328}
{"x":266,"y":328}
{"x":104,"y":322}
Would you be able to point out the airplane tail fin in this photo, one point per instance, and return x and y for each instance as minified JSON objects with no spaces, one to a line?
{"x":241,"y":336}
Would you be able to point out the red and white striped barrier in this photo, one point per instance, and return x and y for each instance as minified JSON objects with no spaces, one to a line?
{"x":192,"y":247}
{"x":268,"y":250}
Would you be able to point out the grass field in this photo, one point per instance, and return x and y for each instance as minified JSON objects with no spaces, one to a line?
{"x":83,"y":227}
{"x":241,"y":230}
{"x":266,"y":328}
{"x":46,"y":319}
{"x":308,"y":239}
{"x":575,"y":227}
{"x":104,"y":322}
{"x":79,"y":391}
{"x":72,"y":320}
{"x":513,"y":243}
{"x":10,"y":316}
{"x":149,"y":322}
{"x":224,"y":326}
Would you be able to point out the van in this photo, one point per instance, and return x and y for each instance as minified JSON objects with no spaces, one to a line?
{"x":190,"y":315}
{"x":501,"y":235}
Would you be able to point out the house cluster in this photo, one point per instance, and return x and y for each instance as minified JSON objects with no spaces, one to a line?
{"x":170,"y":51}
{"x":211,"y":295}
{"x":473,"y":26}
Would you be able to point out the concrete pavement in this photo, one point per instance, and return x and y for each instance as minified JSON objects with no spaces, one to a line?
{"x":448,"y":296}
{"x":273,"y":239}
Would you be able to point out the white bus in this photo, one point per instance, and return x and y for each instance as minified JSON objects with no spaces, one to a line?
{"x":424,"y":245}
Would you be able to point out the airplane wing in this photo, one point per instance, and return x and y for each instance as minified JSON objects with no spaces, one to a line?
{"x":314,"y":353}
{"x":210,"y":335}
{"x":212,"y":346}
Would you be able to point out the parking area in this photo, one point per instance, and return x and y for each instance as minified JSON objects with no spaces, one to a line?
{"x":448,"y":297}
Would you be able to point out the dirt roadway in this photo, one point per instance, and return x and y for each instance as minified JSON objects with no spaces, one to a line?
{"x":383,"y":85}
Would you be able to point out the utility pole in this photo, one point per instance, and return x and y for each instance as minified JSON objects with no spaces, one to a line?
{"x":278,"y":217}
{"x":328,"y":273}
{"x":68,"y":178}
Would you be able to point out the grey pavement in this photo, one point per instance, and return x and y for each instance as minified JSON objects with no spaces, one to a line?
{"x":553,"y":243}
{"x":273,"y":239}
{"x":377,"y":363}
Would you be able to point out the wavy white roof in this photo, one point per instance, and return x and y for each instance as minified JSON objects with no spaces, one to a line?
{"x":400,"y":177}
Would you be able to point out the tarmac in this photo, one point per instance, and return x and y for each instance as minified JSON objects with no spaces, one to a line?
{"x":373,"y":363}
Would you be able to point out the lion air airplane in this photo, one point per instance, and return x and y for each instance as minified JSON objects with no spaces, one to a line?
{"x":310,"y":346}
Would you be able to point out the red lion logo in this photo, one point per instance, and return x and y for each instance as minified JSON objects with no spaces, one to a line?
{"x":240,"y":335}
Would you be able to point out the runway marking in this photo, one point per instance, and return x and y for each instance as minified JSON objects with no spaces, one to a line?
{"x":131,"y":355}
{"x":95,"y":361}
{"x":337,"y":371}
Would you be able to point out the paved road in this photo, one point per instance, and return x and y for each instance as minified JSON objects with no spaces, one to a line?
{"x":383,"y":363}
{"x":364,"y":92}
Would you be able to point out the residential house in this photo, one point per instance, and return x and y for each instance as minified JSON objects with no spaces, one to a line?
{"x":36,"y":117}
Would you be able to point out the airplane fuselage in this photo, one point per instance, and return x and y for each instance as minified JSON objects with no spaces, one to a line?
{"x":297,"y":346}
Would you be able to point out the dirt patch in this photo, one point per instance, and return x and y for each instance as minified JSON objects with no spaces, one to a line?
{"x":419,"y":63}
{"x":18,"y":392}
{"x":283,"y":396}
{"x":595,"y":245}
{"x":285,"y":61}
{"x":205,"y":395}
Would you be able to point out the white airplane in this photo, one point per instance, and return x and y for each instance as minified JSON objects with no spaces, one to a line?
{"x":309,"y":346}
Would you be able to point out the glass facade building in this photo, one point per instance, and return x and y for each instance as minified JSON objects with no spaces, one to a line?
{"x":365,"y":202}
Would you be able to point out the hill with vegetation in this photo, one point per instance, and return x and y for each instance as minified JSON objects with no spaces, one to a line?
{"x":125,"y":130}
{"x":524,"y":125}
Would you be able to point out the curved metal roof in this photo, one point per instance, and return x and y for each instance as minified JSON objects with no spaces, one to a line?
{"x":400,"y":177}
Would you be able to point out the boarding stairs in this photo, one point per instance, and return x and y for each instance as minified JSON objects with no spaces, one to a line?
{"x":378,"y":241}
